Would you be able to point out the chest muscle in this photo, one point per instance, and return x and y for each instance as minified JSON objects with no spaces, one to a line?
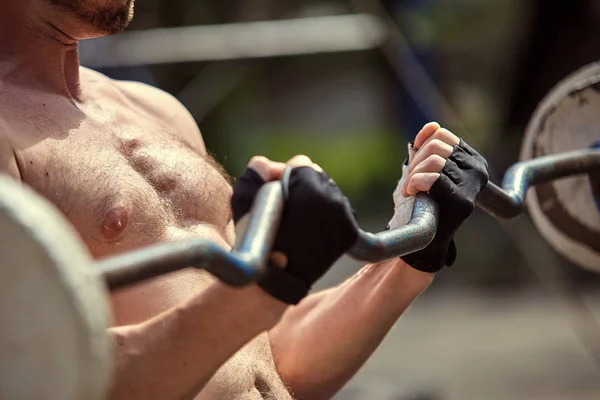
{"x":125,"y":183}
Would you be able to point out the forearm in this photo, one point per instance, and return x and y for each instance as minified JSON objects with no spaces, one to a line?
{"x":174,"y":355}
{"x":322,"y":342}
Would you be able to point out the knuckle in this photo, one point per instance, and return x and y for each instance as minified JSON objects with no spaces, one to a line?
{"x":437,"y":144}
{"x":437,"y":161}
{"x":429,"y":162}
{"x":433,"y":145}
{"x":437,"y":135}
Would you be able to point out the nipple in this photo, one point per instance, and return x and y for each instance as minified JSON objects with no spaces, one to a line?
{"x":114,"y":222}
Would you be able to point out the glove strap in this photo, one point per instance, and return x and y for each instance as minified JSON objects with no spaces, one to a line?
{"x":430,"y":260}
{"x":283,"y":286}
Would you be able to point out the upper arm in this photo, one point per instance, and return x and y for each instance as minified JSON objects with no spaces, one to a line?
{"x":8,"y":161}
{"x":170,"y":110}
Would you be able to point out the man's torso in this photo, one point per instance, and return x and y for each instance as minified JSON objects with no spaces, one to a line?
{"x":127,"y":173}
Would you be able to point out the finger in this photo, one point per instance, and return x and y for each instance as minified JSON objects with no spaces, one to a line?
{"x":267,"y":169}
{"x":420,"y":183}
{"x":428,"y":130}
{"x":433,"y":163}
{"x":444,"y":135}
{"x":434,"y":147}
{"x":303,"y":161}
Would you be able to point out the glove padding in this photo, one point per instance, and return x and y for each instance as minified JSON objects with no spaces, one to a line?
{"x":316,"y":228}
{"x":463,"y":177}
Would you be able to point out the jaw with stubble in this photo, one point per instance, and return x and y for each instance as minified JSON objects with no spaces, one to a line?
{"x":102,"y":16}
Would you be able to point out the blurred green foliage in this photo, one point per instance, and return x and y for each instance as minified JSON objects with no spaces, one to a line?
{"x":356,"y":160}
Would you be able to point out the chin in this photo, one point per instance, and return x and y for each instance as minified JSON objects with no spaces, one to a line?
{"x":96,"y":18}
{"x":117,"y":20}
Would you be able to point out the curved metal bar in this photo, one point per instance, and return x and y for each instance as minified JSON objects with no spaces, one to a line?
{"x":509,"y":201}
{"x":254,"y":244}
{"x":247,"y":260}
{"x":153,"y":261}
{"x":240,"y":267}
{"x":414,"y":236}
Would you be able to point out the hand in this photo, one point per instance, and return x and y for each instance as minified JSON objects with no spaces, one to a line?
{"x":453,"y":174}
{"x":316,"y":228}
{"x":433,"y":146}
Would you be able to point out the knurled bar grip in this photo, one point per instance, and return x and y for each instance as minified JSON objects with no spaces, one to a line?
{"x":244,"y":264}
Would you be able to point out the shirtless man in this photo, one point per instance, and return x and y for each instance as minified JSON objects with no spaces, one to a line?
{"x":127,"y":166}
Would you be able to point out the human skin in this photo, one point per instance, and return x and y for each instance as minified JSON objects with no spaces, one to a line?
{"x":126,"y":164}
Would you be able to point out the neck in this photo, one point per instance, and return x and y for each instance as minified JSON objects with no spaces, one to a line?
{"x":35,"y":52}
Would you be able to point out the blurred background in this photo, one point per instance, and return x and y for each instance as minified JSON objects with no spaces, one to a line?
{"x":349,"y":83}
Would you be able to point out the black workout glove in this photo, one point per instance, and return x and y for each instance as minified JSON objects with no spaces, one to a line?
{"x":462,"y":179}
{"x":316,"y":228}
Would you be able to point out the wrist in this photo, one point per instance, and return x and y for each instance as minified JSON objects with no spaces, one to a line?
{"x":412,"y":280}
{"x":254,"y":306}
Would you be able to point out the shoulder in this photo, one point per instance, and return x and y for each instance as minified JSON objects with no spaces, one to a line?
{"x":168,"y":108}
{"x":161,"y":104}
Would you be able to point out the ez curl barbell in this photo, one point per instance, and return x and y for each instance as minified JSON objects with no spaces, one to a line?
{"x":50,"y":278}
{"x":562,"y":140}
{"x":54,"y":296}
{"x":244,"y":264}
